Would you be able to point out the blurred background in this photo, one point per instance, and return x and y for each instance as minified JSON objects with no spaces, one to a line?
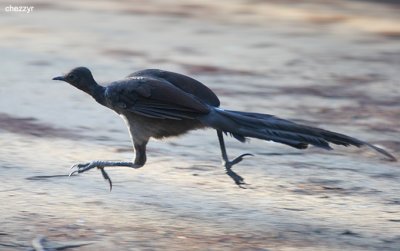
{"x":332,"y":64}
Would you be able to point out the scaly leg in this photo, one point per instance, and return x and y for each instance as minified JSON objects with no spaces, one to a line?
{"x":101,"y":164}
{"x":140,"y":160}
{"x":229,"y":164}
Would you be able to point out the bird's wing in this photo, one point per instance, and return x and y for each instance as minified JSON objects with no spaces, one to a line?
{"x":185,"y":83}
{"x":154,"y":98}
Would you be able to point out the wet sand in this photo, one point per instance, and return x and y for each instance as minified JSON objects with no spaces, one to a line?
{"x":333,"y":64}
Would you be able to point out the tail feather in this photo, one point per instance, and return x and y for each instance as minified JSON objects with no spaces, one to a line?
{"x":268,"y":127}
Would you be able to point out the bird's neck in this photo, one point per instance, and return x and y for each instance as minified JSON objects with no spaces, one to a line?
{"x":98,"y":93}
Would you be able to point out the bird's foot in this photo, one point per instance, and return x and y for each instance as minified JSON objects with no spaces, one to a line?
{"x":236,"y":177}
{"x":83,"y":167}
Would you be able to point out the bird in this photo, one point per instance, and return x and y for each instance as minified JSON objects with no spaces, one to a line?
{"x":160,"y":104}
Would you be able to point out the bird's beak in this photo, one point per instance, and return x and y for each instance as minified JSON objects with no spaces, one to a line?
{"x":59,"y":78}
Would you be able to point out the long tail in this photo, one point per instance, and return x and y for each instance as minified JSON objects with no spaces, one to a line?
{"x":268,"y":127}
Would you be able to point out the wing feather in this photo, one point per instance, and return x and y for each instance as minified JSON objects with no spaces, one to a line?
{"x":154,"y":98}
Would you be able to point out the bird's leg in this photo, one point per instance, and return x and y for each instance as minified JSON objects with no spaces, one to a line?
{"x":140,"y":160}
{"x":101,"y":164}
{"x":229,"y":164}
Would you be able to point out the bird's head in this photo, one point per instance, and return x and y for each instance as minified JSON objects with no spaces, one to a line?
{"x":80,"y":77}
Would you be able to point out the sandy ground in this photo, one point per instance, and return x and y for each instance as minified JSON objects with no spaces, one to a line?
{"x":333,"y":64}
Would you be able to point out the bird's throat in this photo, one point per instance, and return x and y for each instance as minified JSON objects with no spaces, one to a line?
{"x":98,"y":93}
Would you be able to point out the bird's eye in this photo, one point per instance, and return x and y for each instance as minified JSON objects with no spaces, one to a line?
{"x":71,"y":77}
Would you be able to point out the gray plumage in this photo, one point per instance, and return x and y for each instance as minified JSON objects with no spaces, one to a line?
{"x":158,"y":104}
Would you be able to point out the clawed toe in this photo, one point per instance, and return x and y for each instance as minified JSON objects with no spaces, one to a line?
{"x":106,"y":177}
{"x":82,"y":167}
{"x":236,"y":177}
{"x":73,"y":173}
{"x":240,"y":158}
{"x":100,"y":164}
{"x":79,"y":165}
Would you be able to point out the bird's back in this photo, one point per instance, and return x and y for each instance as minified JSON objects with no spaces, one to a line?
{"x":185,"y":83}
